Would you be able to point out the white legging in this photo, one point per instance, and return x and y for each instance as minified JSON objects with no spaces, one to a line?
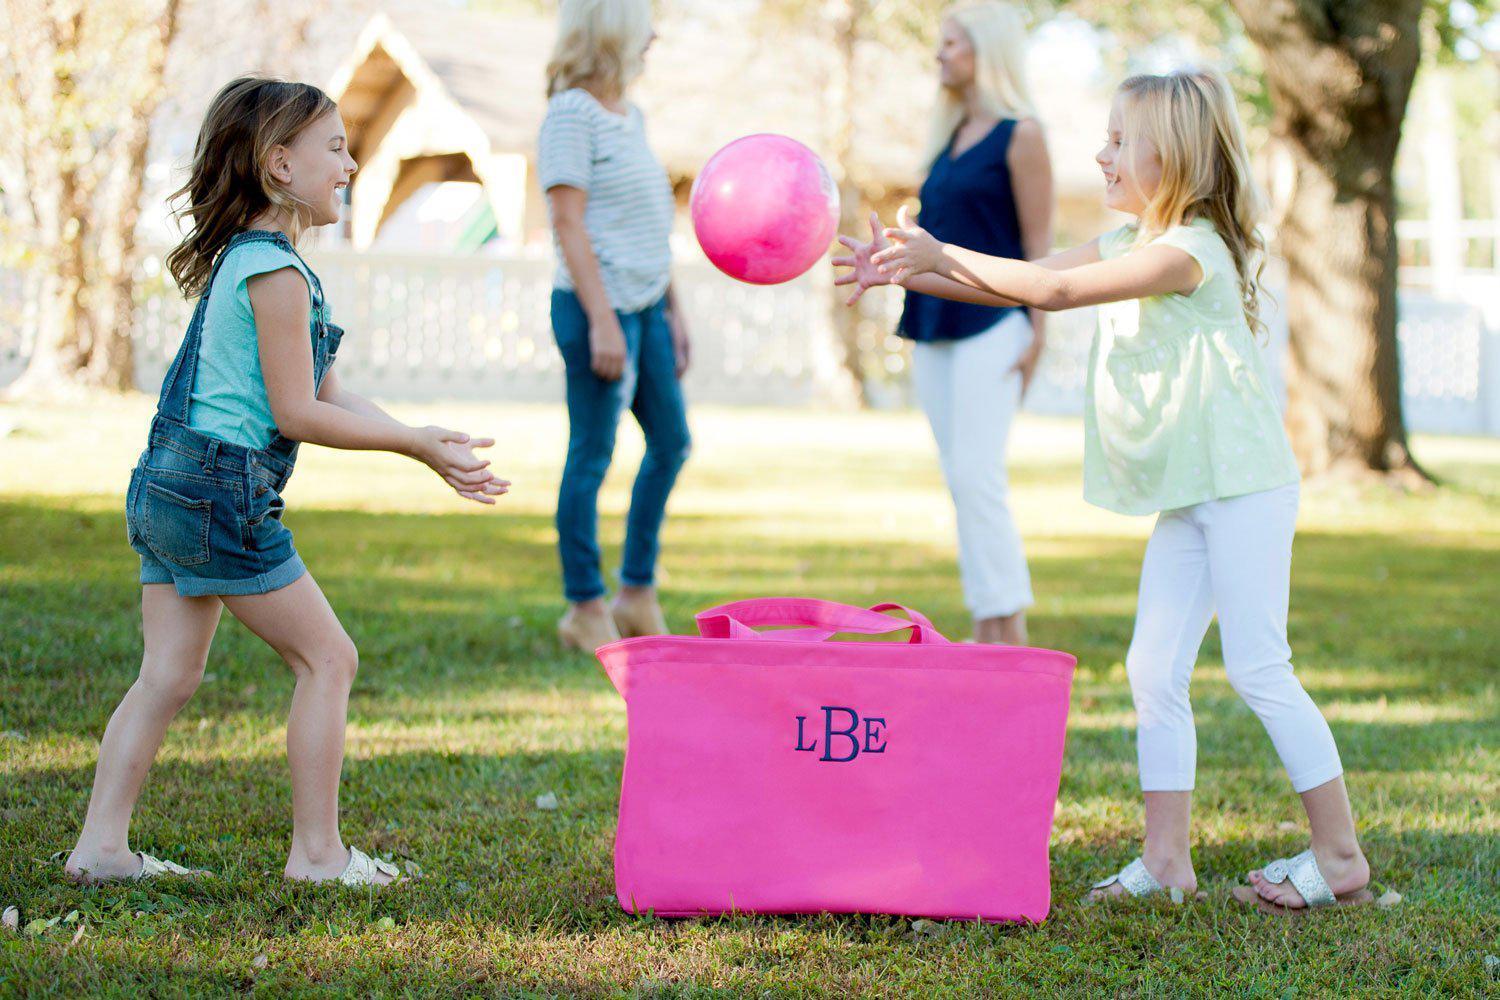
{"x":970,"y":395}
{"x":1235,"y":555}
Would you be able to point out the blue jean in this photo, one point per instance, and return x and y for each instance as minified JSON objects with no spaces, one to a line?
{"x":650,"y":389}
{"x":205,"y":515}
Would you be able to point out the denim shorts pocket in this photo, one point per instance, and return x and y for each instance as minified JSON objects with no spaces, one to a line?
{"x":176,"y":527}
{"x":266,"y":505}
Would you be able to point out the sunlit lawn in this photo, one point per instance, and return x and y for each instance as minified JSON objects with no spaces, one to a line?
{"x":465,"y":711}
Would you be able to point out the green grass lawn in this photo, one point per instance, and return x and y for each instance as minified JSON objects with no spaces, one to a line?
{"x":465,"y":711}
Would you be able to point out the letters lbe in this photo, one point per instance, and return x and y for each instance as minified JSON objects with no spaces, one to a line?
{"x":872,"y":737}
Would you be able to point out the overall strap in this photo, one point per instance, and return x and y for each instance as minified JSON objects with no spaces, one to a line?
{"x":317,"y":285}
{"x":325,"y":340}
{"x":177,"y":387}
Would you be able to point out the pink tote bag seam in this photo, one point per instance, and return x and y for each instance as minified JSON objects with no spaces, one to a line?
{"x":681,"y":649}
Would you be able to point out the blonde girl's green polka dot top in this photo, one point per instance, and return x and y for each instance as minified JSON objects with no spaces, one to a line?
{"x":1179,"y":408}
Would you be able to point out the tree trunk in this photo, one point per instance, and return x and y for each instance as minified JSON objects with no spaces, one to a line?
{"x":54,"y":171}
{"x":1340,"y":73}
{"x":841,"y":98}
{"x":87,"y":210}
{"x":112,"y":361}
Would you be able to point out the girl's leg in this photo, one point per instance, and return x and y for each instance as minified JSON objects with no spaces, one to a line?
{"x":299,"y":624}
{"x":1250,"y":555}
{"x":177,"y":632}
{"x":659,"y":409}
{"x":1173,"y":610}
{"x":985,"y":395}
{"x":1334,"y":843}
{"x":1167,"y":851}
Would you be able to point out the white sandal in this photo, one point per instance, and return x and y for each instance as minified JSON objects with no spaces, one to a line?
{"x":150,"y":868}
{"x":363,"y":870}
{"x":1134,"y":878}
{"x":1307,"y":878}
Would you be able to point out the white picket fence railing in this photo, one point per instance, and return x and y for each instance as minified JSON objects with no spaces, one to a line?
{"x":476,"y":327}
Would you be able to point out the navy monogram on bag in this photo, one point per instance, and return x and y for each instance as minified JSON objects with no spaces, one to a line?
{"x":869,"y":740}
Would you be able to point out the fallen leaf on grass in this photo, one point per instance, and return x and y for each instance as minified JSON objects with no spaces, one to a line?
{"x":77,"y":935}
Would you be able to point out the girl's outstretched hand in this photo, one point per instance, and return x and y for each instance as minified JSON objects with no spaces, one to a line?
{"x":451,"y":455}
{"x":863,"y":271}
{"x":914,"y":250}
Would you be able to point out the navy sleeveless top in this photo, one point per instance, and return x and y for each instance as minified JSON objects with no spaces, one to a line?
{"x":966,"y":200}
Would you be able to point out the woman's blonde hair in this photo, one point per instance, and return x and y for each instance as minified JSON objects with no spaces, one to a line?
{"x":1189,"y":116}
{"x":230,"y":182}
{"x":997,"y":33}
{"x":599,"y":42}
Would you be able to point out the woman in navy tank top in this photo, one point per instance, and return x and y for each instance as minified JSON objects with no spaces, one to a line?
{"x":989,"y":187}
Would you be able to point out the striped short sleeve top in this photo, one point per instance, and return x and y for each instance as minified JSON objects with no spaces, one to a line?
{"x":630,"y":204}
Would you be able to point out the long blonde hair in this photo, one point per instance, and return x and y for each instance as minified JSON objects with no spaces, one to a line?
{"x":599,"y":42}
{"x":997,"y":33}
{"x":1189,"y":116}
{"x":230,"y":182}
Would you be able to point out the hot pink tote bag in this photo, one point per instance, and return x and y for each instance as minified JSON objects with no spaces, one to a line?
{"x":781,"y":772}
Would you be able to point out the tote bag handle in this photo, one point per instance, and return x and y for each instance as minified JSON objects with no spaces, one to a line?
{"x":820,"y":620}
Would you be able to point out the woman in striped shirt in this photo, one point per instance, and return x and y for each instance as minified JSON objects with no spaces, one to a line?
{"x":623,"y":340}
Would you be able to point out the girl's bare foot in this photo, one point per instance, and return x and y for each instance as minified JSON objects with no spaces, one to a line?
{"x":103,"y":866}
{"x":1172,"y":873}
{"x":333,"y":866}
{"x":1345,"y":872}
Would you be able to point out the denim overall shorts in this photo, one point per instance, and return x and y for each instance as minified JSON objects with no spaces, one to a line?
{"x":205,"y":514}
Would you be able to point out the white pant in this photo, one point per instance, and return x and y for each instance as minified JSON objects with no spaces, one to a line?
{"x":970,"y":395}
{"x":1235,"y":555}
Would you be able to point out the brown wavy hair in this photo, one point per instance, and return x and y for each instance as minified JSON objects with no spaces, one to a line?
{"x":229,"y":183}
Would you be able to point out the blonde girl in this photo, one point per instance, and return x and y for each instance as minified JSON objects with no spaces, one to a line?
{"x":252,"y":378}
{"x":1180,"y":421}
